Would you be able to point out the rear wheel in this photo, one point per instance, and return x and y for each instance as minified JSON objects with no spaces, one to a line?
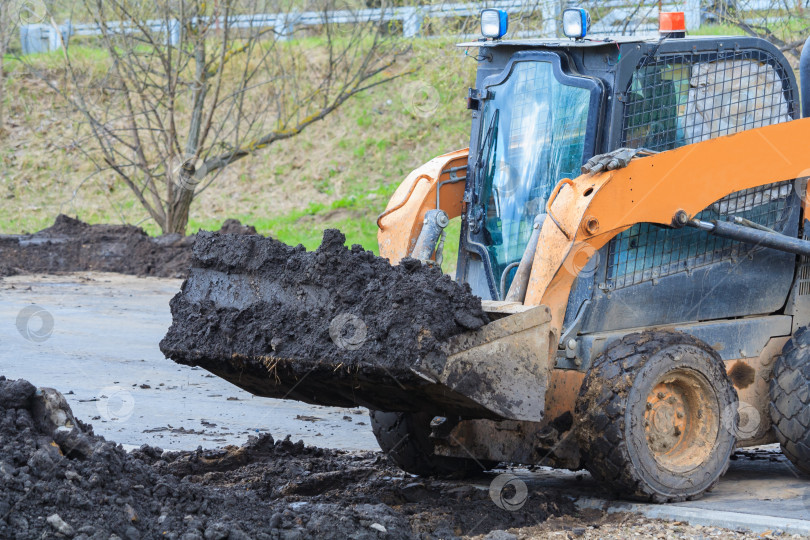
{"x":790,"y":400}
{"x":656,"y":417}
{"x":405,"y":438}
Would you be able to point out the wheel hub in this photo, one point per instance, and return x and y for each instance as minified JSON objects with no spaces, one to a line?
{"x":680,"y":420}
{"x":665,"y":418}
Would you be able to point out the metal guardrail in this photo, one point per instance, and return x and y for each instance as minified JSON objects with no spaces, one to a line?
{"x":624,"y":17}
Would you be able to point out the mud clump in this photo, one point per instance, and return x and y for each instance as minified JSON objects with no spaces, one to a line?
{"x":234,"y":226}
{"x":70,"y":245}
{"x":65,"y":482}
{"x":335,"y":326}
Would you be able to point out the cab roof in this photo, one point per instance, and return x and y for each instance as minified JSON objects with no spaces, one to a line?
{"x":584,"y":43}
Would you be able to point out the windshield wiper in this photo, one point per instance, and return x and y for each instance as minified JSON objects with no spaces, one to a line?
{"x":482,"y":162}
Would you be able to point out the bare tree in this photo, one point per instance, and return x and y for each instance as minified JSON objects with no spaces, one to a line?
{"x":785,"y":23}
{"x":6,"y":27}
{"x":193,"y":86}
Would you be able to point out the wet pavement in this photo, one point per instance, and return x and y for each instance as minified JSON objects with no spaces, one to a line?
{"x":94,"y":336}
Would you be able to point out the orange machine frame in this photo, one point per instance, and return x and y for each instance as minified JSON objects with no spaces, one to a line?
{"x":591,"y":209}
{"x":587,"y":212}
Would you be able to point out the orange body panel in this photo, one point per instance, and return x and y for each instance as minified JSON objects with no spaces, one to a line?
{"x":592,"y":209}
{"x":583,"y":215}
{"x":563,"y":389}
{"x":402,"y":220}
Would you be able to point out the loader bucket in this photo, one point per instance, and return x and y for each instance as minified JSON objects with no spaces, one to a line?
{"x":503,"y":366}
{"x":341,"y":327}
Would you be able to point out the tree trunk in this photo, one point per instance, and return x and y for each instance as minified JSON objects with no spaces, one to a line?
{"x":2,"y":88}
{"x":182,"y":193}
{"x":177,"y":215}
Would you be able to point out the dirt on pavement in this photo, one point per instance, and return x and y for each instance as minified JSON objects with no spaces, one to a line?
{"x":70,"y":245}
{"x":335,"y":326}
{"x":59,"y":480}
{"x":598,"y":525}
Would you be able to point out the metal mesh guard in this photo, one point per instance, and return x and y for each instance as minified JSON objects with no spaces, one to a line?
{"x":647,"y":251}
{"x":685,"y":98}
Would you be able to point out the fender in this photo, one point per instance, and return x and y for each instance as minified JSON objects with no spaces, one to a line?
{"x":401,"y":222}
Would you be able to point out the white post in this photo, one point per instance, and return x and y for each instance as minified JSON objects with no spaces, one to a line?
{"x":285,"y":26}
{"x":54,"y":42}
{"x":66,"y":31}
{"x":412,"y":22}
{"x":550,"y":15}
{"x":692,"y":14}
{"x":174,"y":32}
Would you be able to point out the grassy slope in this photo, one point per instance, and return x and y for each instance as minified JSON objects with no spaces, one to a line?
{"x":338,"y":173}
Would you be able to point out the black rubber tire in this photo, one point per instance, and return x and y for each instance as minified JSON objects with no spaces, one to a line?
{"x":405,"y":438}
{"x":790,"y":400}
{"x":610,"y":419}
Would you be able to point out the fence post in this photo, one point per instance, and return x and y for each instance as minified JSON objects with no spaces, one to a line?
{"x":284,"y":26}
{"x":550,"y":15}
{"x":412,"y":22}
{"x":692,"y":14}
{"x":66,"y":30}
{"x":174,"y":32}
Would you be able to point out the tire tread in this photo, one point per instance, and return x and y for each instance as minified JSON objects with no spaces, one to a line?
{"x":601,"y":423}
{"x":790,"y":399}
{"x":404,"y":437}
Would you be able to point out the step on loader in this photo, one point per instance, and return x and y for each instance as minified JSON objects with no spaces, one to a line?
{"x":632,"y":215}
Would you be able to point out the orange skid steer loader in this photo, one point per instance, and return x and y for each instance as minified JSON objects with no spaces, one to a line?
{"x":633,"y":217}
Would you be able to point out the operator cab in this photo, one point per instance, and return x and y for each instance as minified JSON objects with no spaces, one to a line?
{"x":541,"y":108}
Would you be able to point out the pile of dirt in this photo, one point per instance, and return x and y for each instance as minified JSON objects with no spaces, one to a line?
{"x":58,"y":480}
{"x":70,"y":245}
{"x":335,"y":326}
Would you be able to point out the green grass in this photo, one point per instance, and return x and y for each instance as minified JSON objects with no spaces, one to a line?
{"x":788,"y":28}
{"x":304,"y":227}
{"x":717,"y":30}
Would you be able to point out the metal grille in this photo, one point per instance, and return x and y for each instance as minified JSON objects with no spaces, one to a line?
{"x":803,"y":275}
{"x":680,"y":99}
{"x":647,"y":251}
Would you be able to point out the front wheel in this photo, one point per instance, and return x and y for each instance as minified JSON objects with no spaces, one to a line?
{"x":656,"y":417}
{"x":405,"y":438}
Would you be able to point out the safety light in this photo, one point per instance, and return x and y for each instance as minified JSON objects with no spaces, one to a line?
{"x":672,"y":23}
{"x":494,"y":23}
{"x":576,"y":22}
